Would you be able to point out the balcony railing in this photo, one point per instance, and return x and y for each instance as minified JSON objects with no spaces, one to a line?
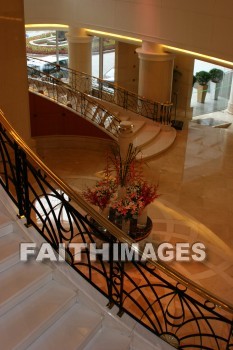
{"x":165,"y":302}
{"x":110,"y":92}
{"x":79,"y":102}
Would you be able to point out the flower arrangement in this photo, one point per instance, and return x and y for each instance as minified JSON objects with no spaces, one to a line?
{"x":127,"y":207}
{"x":101,"y":194}
{"x":124,"y":170}
{"x":143,"y":191}
{"x":127,"y":175}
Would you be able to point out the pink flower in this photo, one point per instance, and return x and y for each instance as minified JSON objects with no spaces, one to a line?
{"x":101,"y":194}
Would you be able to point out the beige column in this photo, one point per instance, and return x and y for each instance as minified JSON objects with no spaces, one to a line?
{"x":79,"y":44}
{"x":80,"y":55}
{"x":155,"y":72}
{"x":230,"y":102}
{"x":13,"y":68}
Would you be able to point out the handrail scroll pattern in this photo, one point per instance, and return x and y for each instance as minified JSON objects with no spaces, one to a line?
{"x":168,"y":304}
{"x":158,"y":111}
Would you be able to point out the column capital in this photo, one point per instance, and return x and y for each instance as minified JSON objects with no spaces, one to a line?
{"x":78,"y":35}
{"x":149,"y":56}
{"x":153,"y":52}
{"x":78,"y":39}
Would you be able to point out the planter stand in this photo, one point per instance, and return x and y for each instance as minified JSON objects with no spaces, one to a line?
{"x":214,"y":90}
{"x":201,"y":93}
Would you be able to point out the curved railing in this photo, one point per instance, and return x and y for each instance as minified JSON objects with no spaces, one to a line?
{"x":110,"y":92}
{"x":168,"y":304}
{"x":79,"y":102}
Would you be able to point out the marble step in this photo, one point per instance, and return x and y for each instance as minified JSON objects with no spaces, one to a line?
{"x":109,"y":338}
{"x":147,"y":134}
{"x":33,"y":316}
{"x":137,"y":126}
{"x":160,"y":144}
{"x":20,"y":281}
{"x":73,"y":330}
{"x":6,"y":225}
{"x":9,"y":250}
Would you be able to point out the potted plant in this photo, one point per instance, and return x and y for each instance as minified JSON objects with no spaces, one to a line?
{"x":194,"y":80}
{"x":203,"y":78}
{"x":216,"y":77}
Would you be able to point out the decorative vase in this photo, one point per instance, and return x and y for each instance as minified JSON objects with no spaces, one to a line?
{"x":201,"y":93}
{"x":142,"y":219}
{"x":112,"y":214}
{"x":214,"y":90}
{"x":125,"y":225}
{"x":133,"y":227}
{"x":118,"y":220}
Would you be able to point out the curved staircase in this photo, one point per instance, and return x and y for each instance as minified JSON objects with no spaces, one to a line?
{"x":150,"y":136}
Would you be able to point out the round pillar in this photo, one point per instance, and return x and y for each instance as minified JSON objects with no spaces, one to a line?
{"x":155,"y":72}
{"x":230,"y":102}
{"x":80,"y":56}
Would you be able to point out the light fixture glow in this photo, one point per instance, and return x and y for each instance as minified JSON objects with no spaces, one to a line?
{"x":32,"y":26}
{"x":113,"y":35}
{"x":199,"y":55}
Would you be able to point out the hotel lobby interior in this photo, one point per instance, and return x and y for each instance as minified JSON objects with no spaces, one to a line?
{"x":192,"y":167}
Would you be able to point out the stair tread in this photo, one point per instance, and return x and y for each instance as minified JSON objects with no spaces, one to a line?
{"x":9,"y":245}
{"x":147,"y":134}
{"x":6,"y":225}
{"x":163,"y":141}
{"x":4,"y":220}
{"x":109,"y":338}
{"x":17,"y":281}
{"x":73,"y":330}
{"x":30,"y":318}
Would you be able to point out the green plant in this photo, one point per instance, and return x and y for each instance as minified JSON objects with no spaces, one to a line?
{"x":216,"y":75}
{"x":203,"y":77}
{"x":194,"y":79}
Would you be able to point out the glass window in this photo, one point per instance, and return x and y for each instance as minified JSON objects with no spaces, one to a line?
{"x":95,"y":56}
{"x":103,"y":58}
{"x":109,"y":59}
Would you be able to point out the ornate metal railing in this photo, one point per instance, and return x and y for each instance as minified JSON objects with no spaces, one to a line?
{"x":79,"y":102}
{"x":168,"y":304}
{"x":110,"y":92}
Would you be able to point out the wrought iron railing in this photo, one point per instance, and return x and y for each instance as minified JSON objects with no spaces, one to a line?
{"x":158,"y":111}
{"x":168,"y":304}
{"x":79,"y":102}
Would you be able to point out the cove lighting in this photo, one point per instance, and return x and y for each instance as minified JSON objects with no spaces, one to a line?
{"x":32,"y":26}
{"x":113,"y":35}
{"x":199,"y":55}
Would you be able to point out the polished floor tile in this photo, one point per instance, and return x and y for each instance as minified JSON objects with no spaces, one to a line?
{"x":195,"y":178}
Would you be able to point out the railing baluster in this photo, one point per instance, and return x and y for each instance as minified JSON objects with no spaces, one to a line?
{"x":25,"y":187}
{"x":19,"y":186}
{"x":121,"y":291}
{"x":104,"y":93}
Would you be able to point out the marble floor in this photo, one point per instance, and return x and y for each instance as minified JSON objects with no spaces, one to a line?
{"x":195,"y":177}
